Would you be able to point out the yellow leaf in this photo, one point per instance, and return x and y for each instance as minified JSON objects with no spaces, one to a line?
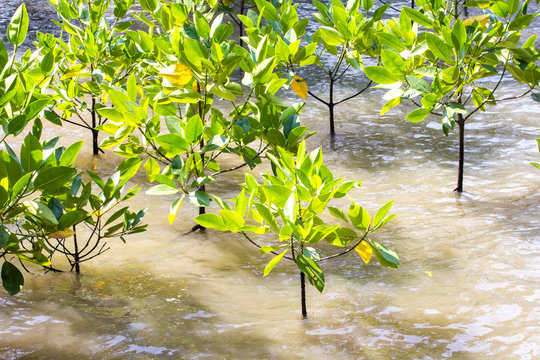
{"x":5,"y":183}
{"x":299,"y":86}
{"x":73,"y":73}
{"x":177,"y":74}
{"x":62,"y":234}
{"x":365,"y":251}
{"x":482,"y":20}
{"x":174,"y":209}
{"x":429,"y":273}
{"x":195,"y":86}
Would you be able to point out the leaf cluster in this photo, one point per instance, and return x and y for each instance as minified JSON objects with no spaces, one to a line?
{"x":290,"y":203}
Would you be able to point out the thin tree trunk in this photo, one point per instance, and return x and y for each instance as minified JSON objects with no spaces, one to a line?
{"x":241,"y":23}
{"x":461,"y":126}
{"x":76,"y":253}
{"x":303,"y":294}
{"x":95,"y":133}
{"x":331,"y":107}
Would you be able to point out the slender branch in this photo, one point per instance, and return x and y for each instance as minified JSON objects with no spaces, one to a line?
{"x":153,"y":145}
{"x":101,"y":251}
{"x":355,"y":95}
{"x":260,"y":247}
{"x":318,"y":98}
{"x":490,"y":94}
{"x":391,"y":7}
{"x":343,"y":73}
{"x":346,"y":251}
{"x":86,"y":126}
{"x":515,"y":97}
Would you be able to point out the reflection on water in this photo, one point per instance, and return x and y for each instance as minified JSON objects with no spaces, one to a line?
{"x":467,"y":289}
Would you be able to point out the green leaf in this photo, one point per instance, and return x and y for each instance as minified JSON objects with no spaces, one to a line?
{"x":4,"y":57}
{"x":417,"y":17}
{"x":391,"y":41}
{"x":380,"y":75}
{"x":31,"y":153}
{"x":70,"y":154}
{"x":367,"y":4}
{"x":438,"y":47}
{"x":109,"y":113}
{"x":148,"y":5}
{"x":173,"y":144}
{"x":338,"y":213}
{"x":152,"y":168}
{"x":285,"y":232}
{"x":459,"y":34}
{"x":194,"y":129}
{"x":4,"y":234}
{"x":273,"y":263}
{"x":201,"y":25}
{"x":53,"y":178}
{"x":18,"y":27}
{"x":312,"y":271}
{"x":268,"y":10}
{"x":500,"y":8}
{"x":267,"y":216}
{"x":231,"y":219}
{"x":384,"y":256}
{"x":211,"y":221}
{"x":418,"y":115}
{"x":311,"y":253}
{"x":264,"y":68}
{"x":71,"y":218}
{"x":536,"y":97}
{"x":418,"y":84}
{"x":128,"y":168}
{"x":162,"y":189}
{"x":359,"y":217}
{"x":199,"y":198}
{"x":393,"y":62}
{"x":12,"y":279}
{"x":331,"y":36}
{"x":41,"y":211}
{"x":17,"y":124}
{"x":381,"y":213}
{"x":277,"y":194}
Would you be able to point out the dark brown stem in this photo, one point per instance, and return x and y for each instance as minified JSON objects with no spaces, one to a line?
{"x":76,"y":253}
{"x":331,"y":107}
{"x":303,"y":294}
{"x":461,"y":125}
{"x":95,"y":133}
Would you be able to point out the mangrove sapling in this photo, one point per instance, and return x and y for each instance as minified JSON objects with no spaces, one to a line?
{"x":37,"y":185}
{"x":193,"y":59}
{"x":94,"y":56}
{"x":456,"y":56}
{"x":288,"y":205}
{"x":346,"y":34}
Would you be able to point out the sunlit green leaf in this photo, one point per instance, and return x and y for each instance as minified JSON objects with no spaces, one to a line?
{"x":273,"y":263}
